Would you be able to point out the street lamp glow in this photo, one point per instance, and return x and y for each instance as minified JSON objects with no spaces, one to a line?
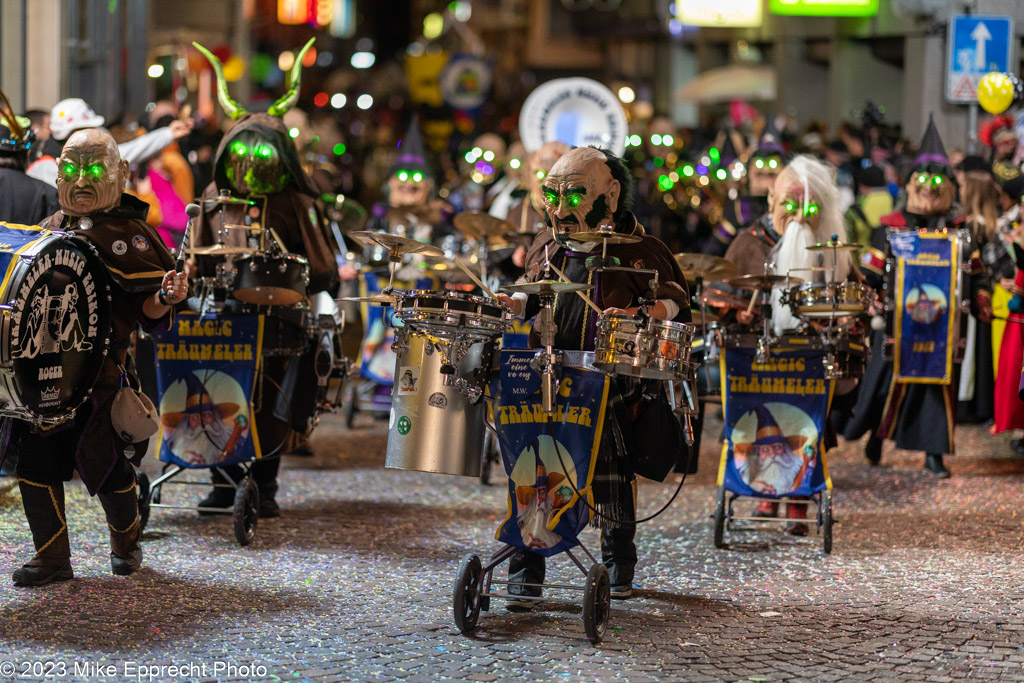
{"x":338,"y":100}
{"x":363,"y":60}
{"x":433,"y":25}
{"x":364,"y":101}
{"x":626,"y":94}
{"x":285,"y":60}
{"x":155,"y":70}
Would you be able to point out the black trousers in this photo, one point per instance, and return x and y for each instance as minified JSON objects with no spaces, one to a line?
{"x":618,"y":553}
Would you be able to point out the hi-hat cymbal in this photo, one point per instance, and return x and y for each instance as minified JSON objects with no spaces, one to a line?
{"x":477,"y":224}
{"x":547,"y":287}
{"x":402,"y":245}
{"x":709,"y":316}
{"x":763,"y":281}
{"x":379,"y":298}
{"x":219,"y":250}
{"x":834,"y":246}
{"x":225,"y":199}
{"x":609,"y":237}
{"x":706,"y":266}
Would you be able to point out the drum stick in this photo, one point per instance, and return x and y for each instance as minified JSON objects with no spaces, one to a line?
{"x":479,"y":283}
{"x":522,"y":217}
{"x":582,"y":295}
{"x":192,"y":210}
{"x":273,"y":233}
{"x":753,"y":300}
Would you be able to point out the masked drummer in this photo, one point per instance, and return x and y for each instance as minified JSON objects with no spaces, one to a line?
{"x":918,"y":417}
{"x":258,"y":161}
{"x":588,"y":189}
{"x":144,"y":288}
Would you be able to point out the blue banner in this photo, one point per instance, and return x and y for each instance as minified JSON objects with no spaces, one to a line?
{"x":926,"y":270}
{"x":545,"y":515}
{"x":377,"y":360}
{"x":775,"y":418}
{"x":207,"y":370}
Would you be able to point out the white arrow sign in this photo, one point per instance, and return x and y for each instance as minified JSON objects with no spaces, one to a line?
{"x":980,"y":35}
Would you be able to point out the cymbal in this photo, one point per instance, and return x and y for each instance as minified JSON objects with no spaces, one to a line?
{"x":477,"y":224}
{"x":250,"y":228}
{"x":706,"y":266}
{"x":225,"y":199}
{"x":763,"y":281}
{"x":379,"y":298}
{"x":719,"y":299}
{"x":547,"y":287}
{"x":834,"y":246}
{"x":219,"y":250}
{"x":609,"y":237}
{"x":402,"y":245}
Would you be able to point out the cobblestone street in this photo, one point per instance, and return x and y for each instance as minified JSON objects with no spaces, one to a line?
{"x":354,"y":582}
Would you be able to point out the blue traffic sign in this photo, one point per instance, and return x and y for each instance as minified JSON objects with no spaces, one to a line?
{"x":976,"y":44}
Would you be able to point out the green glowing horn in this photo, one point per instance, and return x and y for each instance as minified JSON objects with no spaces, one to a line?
{"x":230,"y":107}
{"x":289,"y":99}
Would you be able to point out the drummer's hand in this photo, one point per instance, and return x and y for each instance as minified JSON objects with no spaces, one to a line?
{"x":985,"y":313}
{"x":174,"y":287}
{"x":746,"y":317}
{"x":347,"y":272}
{"x":519,"y":257}
{"x":513,"y":304}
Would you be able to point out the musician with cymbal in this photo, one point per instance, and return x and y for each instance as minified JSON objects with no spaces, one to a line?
{"x":587,"y":195}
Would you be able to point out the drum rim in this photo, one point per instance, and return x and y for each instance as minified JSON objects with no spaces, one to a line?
{"x":264,"y":256}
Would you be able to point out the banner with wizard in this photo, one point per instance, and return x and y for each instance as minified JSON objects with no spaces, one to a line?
{"x":775,"y":418}
{"x":207,"y":374}
{"x":926,"y":306}
{"x":545,"y":459}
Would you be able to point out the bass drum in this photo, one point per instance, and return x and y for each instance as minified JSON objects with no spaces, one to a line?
{"x":55,"y":322}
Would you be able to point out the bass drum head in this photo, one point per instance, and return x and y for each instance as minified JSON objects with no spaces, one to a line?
{"x":60,"y":326}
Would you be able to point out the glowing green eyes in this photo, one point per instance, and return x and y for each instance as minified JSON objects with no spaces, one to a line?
{"x":239,"y":149}
{"x":93,"y":171}
{"x":811,"y":209}
{"x":937,"y":180}
{"x":574,"y":200}
{"x":540,"y":175}
{"x":70,"y":170}
{"x":514,"y":163}
{"x":405,"y":176}
{"x":759,"y":163}
{"x":264,"y":151}
{"x":96,"y":170}
{"x":789,"y":206}
{"x":550,"y":197}
{"x":772,"y":163}
{"x":924,"y":179}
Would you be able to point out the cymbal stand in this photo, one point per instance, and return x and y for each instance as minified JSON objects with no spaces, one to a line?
{"x":544,"y":362}
{"x":828,"y":337}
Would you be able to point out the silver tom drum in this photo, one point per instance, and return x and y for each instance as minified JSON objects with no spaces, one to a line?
{"x":450,"y":315}
{"x":823,"y":300}
{"x":435,"y":427}
{"x":266,"y":280}
{"x":651,"y":349}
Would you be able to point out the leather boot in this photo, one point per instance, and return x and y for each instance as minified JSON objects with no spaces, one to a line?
{"x":618,"y":553}
{"x":44,"y":510}
{"x":873,"y":450}
{"x":933,"y":463}
{"x":122,"y":510}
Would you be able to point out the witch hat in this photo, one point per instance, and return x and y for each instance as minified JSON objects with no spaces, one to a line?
{"x":931,"y":155}
{"x":412,"y":155}
{"x":197,"y":401}
{"x":770,"y":143}
{"x":727,"y":154}
{"x":769,"y":433}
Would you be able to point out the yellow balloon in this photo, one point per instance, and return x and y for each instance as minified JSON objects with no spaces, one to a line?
{"x":995,"y":92}
{"x":234,"y":68}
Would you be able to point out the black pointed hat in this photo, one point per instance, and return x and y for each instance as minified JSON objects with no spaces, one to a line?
{"x":727,"y":154}
{"x":770,"y":144}
{"x":412,"y":155}
{"x":932,"y":153}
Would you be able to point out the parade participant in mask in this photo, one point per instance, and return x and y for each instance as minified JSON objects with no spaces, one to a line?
{"x":1000,"y":136}
{"x":528,"y":215}
{"x":915,"y":416}
{"x":23,"y":200}
{"x":586,"y":189}
{"x":143,"y":289}
{"x":258,"y":161}
{"x":741,"y":212}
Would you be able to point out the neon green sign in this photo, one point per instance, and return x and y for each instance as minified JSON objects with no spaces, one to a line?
{"x":824,"y":8}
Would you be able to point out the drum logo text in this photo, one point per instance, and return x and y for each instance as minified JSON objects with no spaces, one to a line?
{"x":54,"y":322}
{"x":52,"y":372}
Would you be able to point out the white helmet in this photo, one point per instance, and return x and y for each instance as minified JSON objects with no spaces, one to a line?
{"x":71,"y":114}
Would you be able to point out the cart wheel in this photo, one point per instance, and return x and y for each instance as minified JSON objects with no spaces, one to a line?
{"x":597,"y":602}
{"x":247,"y":511}
{"x":826,"y":520}
{"x":719,"y":530}
{"x":142,"y":481}
{"x":467,"y":593}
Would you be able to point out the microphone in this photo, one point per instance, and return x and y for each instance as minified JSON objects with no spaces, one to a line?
{"x":192,"y":210}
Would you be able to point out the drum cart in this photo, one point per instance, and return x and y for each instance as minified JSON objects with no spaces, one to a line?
{"x":473,"y":590}
{"x":725,"y":516}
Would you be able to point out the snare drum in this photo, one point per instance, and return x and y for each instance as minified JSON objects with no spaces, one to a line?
{"x":55,"y":326}
{"x":448,"y":314}
{"x":279,"y":280}
{"x":822,"y":300}
{"x":651,"y":349}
